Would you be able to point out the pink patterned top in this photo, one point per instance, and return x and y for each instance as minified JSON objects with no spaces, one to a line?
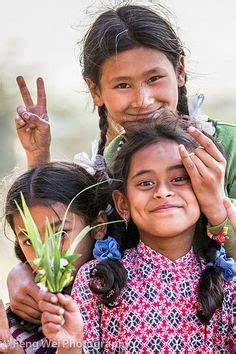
{"x":156,"y":311}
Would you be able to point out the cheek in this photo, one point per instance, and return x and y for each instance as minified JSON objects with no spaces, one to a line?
{"x":29,"y":254}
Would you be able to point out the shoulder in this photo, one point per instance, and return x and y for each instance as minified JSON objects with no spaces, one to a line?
{"x":226,"y":133}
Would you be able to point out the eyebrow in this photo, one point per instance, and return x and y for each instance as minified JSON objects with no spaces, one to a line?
{"x":125,"y":78}
{"x":21,"y":234}
{"x":170,"y":168}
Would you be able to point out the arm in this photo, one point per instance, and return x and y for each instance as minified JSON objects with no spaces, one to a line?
{"x":7,"y":342}
{"x":206,"y":168}
{"x":24,"y":294}
{"x":62,"y":322}
{"x":32,"y":124}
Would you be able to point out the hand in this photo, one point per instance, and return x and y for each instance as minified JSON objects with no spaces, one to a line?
{"x":7,"y":343}
{"x":24,"y":294}
{"x":206,"y":168}
{"x":32,"y":124}
{"x":66,"y":330}
{"x":231,"y":212}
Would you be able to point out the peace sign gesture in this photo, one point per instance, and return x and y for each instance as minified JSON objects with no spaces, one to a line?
{"x":32,"y":124}
{"x":7,"y":342}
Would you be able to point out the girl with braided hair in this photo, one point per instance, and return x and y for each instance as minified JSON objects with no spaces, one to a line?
{"x":133,"y":64}
{"x":154,"y":288}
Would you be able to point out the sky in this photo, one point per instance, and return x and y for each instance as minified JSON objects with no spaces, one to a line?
{"x":41,"y":36}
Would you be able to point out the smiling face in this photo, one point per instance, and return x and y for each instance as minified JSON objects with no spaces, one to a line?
{"x":73,"y":225}
{"x":136,"y":83}
{"x":159,"y":196}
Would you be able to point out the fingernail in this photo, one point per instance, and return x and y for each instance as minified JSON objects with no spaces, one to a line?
{"x":61,"y":311}
{"x":25,"y":115}
{"x":53,"y":299}
{"x":201,"y":147}
{"x":191,"y":154}
{"x":191,"y":129}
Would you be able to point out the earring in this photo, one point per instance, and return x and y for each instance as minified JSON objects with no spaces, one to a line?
{"x":126,"y":222}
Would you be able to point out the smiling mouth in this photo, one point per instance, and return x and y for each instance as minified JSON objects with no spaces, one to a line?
{"x":143,"y":116}
{"x":165,"y":208}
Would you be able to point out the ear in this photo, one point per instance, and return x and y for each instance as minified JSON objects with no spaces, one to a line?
{"x":99,"y":232}
{"x":121,"y":204}
{"x":95,"y":92}
{"x":181,"y":75}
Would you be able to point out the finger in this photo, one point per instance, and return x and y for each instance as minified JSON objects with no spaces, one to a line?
{"x":67,"y":302}
{"x":231,"y":211}
{"x":51,"y":328}
{"x":30,"y":310}
{"x":41,"y":94}
{"x":189,"y":164}
{"x":28,"y":318}
{"x":202,"y":169}
{"x":24,"y":92}
{"x":207,"y":143}
{"x":22,"y":112}
{"x":49,"y":307}
{"x":3,"y":317}
{"x":50,"y":317}
{"x":209,"y":161}
{"x":20,"y":123}
{"x":32,"y":119}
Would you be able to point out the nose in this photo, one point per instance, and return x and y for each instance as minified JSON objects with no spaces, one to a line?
{"x":142,"y":97}
{"x":163,"y":191}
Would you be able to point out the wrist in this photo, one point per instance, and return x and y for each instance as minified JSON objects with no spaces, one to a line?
{"x":37,"y":158}
{"x":215,"y":216}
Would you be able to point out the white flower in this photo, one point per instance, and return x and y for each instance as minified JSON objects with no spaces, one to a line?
{"x":202,"y":121}
{"x":82,"y":159}
{"x":63,"y":262}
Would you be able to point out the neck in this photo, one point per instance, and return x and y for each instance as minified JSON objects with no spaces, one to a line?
{"x":171,"y":247}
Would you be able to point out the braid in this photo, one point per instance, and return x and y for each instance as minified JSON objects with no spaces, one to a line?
{"x":103,"y":125}
{"x":182,"y":106}
{"x":210,"y":286}
{"x":107,"y":280}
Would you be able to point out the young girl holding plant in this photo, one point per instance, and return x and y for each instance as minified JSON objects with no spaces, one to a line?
{"x":48,"y":190}
{"x":133,"y":64}
{"x":153,"y":289}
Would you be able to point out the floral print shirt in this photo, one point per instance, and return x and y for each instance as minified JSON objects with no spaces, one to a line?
{"x":156,"y":310}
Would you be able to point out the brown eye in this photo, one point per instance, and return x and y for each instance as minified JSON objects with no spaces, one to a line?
{"x":123,"y":85}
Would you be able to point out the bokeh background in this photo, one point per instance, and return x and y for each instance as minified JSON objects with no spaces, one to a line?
{"x":40,"y":39}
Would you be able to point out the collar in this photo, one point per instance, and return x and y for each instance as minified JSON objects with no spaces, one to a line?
{"x":188,"y":261}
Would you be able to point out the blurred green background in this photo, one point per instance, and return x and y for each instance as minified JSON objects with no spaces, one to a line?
{"x":39,"y":39}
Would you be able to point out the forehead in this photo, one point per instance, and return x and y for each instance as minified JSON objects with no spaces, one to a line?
{"x":157,"y":156}
{"x":124,"y":63}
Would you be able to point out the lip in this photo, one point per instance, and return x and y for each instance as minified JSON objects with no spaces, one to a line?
{"x":145,"y":115}
{"x":165,"y":208}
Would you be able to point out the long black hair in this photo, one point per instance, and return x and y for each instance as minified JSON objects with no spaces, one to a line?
{"x":55,"y":182}
{"x":210,"y":287}
{"x":121,"y":29}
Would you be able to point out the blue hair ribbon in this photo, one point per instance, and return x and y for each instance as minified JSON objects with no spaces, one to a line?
{"x":225,"y":264}
{"x":107,"y":249}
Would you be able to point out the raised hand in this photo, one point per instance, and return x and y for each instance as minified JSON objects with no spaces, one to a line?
{"x":62,"y":324}
{"x":7,"y":342}
{"x":206,"y":168}
{"x":32,"y":124}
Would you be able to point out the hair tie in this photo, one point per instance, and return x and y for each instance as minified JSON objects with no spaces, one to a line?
{"x":106,"y":249}
{"x":225,"y":264}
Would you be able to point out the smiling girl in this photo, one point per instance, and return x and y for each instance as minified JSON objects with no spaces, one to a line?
{"x":177,"y":296}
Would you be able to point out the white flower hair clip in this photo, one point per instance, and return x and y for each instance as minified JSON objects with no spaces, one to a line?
{"x":82,"y":159}
{"x":202,"y":121}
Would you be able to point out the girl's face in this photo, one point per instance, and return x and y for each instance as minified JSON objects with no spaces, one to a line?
{"x":73,"y":225}
{"x":159,"y":195}
{"x":136,"y":83}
